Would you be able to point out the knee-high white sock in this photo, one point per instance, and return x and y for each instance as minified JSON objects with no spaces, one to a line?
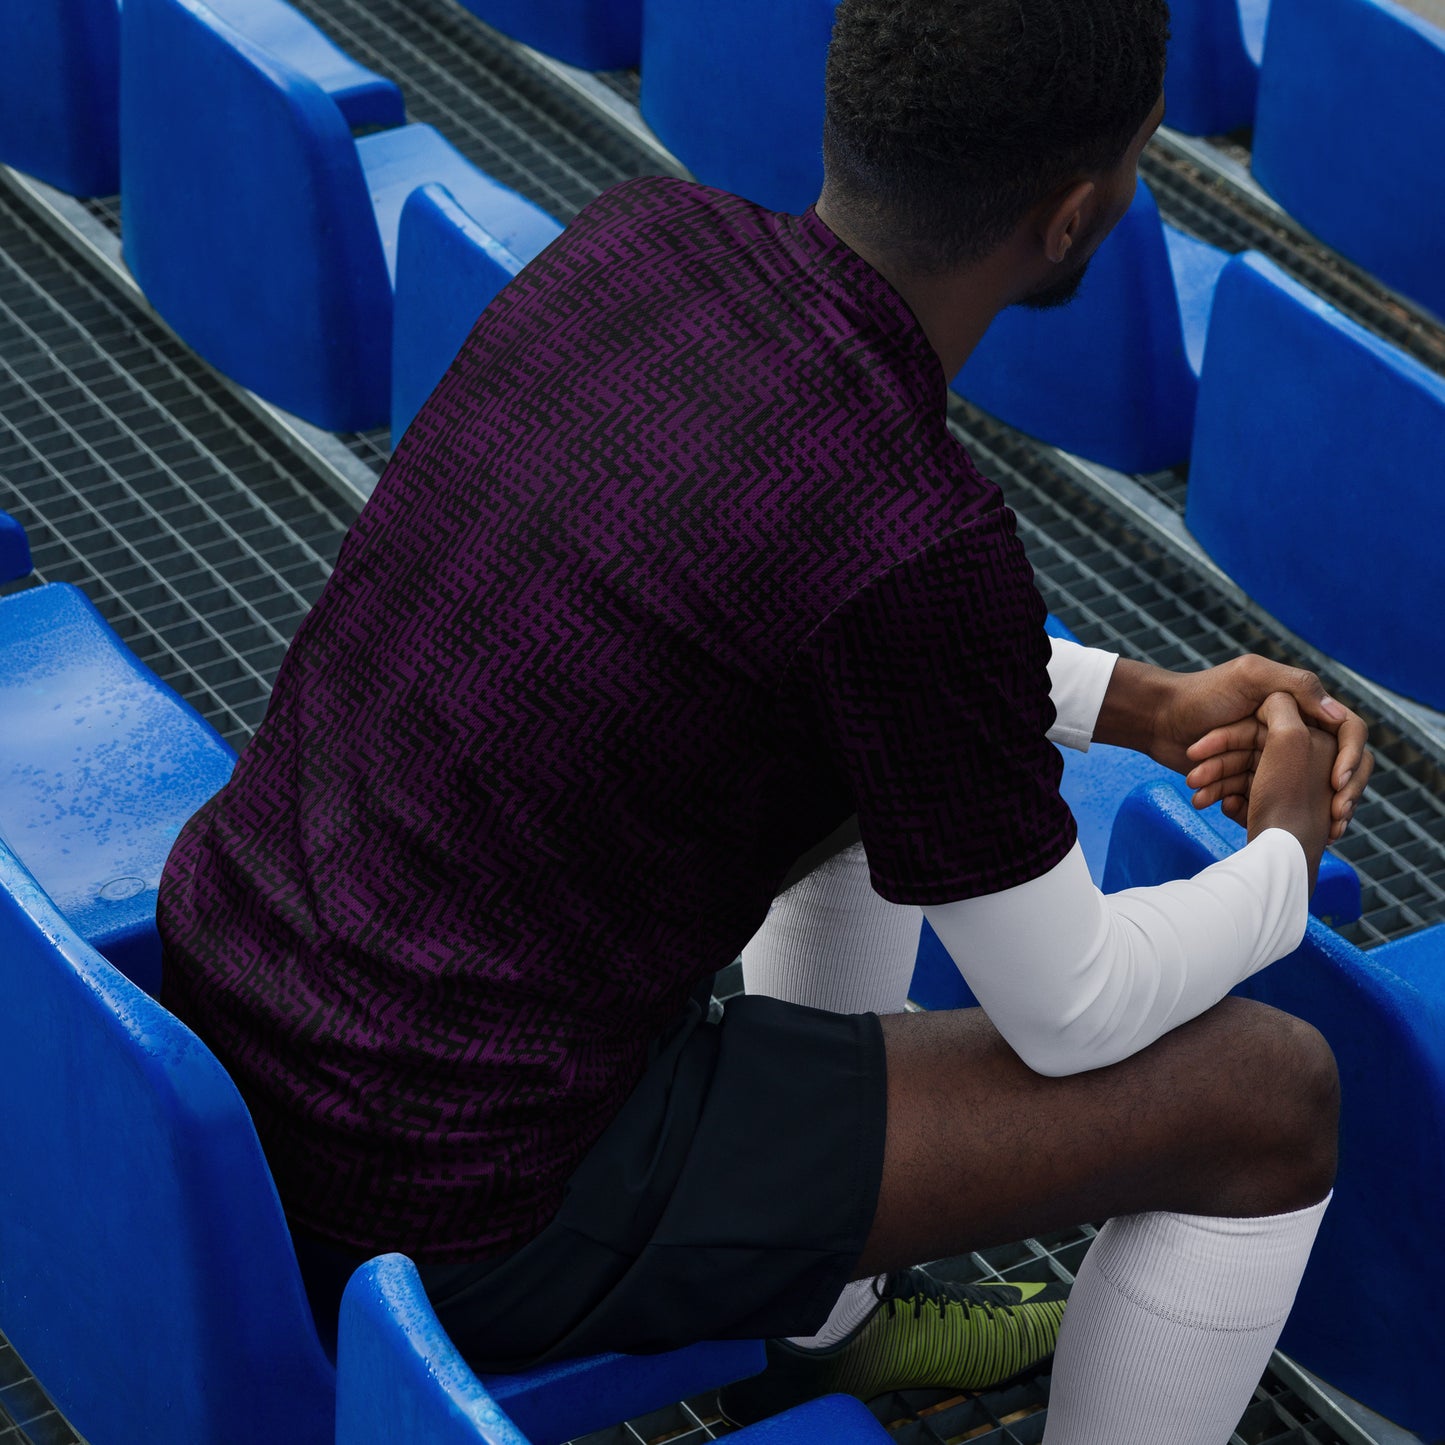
{"x":855,"y":1304}
{"x":831,"y":942}
{"x":1171,"y":1324}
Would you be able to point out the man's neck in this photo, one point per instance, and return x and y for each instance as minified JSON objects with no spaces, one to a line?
{"x":954,"y":308}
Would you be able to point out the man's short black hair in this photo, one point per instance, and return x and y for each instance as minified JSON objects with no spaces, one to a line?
{"x":947,"y":119}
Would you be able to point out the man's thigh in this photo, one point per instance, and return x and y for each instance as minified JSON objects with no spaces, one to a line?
{"x":1231,"y":1114}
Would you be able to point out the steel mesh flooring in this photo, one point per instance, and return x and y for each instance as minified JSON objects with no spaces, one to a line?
{"x":143,"y":482}
{"x":1276,"y":1416}
{"x":495,"y":108}
{"x":204,"y":542}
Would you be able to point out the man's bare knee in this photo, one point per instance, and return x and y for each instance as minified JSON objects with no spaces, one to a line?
{"x":1281,"y":1093}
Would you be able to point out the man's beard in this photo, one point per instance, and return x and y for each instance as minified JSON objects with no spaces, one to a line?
{"x":1056,"y":293}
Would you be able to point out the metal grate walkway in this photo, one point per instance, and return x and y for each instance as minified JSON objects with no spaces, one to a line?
{"x":144,"y":480}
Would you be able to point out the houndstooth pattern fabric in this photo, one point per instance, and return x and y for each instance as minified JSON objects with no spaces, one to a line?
{"x":678,"y":568}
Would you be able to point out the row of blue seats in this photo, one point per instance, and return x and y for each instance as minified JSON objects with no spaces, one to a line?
{"x":337,"y":277}
{"x":1299,"y":426}
{"x":1346,"y":134}
{"x":1347,"y":130}
{"x":264,"y":178}
{"x":133,"y":763}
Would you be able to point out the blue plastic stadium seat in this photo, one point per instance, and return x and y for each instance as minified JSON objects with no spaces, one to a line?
{"x":400,"y":1379}
{"x":1114,"y":375}
{"x":1095,"y":785}
{"x":1212,"y":77}
{"x":258,"y":226}
{"x":14,"y":549}
{"x":100,"y":764}
{"x":364,"y":98}
{"x":448,"y":269}
{"x":1366,"y":1318}
{"x":1315,"y":477}
{"x":831,"y":1420}
{"x":59,"y":77}
{"x":146,"y":1273}
{"x":1349,"y":131}
{"x":595,"y":34}
{"x":735,"y":91}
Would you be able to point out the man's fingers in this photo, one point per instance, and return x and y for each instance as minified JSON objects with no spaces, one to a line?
{"x":1279,"y":714}
{"x":1308,"y":692}
{"x":1236,"y":785}
{"x":1237,"y":808}
{"x":1342,"y":806}
{"x":1233,"y":737}
{"x":1222,"y":765}
{"x":1352,"y":737}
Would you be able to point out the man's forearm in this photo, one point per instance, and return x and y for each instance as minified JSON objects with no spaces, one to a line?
{"x":1136,"y":698}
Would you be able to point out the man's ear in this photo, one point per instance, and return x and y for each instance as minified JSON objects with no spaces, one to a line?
{"x":1063,"y":221}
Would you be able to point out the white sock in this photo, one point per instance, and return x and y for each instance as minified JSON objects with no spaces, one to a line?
{"x":1171,"y":1324}
{"x":831,"y":942}
{"x":855,"y":1304}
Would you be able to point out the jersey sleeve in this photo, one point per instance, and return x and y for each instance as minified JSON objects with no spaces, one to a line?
{"x":928,"y":688}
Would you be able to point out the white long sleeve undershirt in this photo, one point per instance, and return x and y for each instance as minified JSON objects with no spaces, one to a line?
{"x":1078,"y":679}
{"x":1076,"y":979}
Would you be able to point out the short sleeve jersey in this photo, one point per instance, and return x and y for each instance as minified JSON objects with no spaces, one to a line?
{"x":678,"y":568}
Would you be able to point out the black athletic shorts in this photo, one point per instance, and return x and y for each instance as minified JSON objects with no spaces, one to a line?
{"x":730,"y":1199}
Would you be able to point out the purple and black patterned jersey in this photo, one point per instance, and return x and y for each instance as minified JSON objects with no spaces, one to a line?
{"x":678,"y":568}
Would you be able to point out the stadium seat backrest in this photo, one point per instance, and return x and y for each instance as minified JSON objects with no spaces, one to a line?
{"x":362,"y":96}
{"x":1349,"y":131}
{"x":593,"y":34}
{"x":100,"y":765}
{"x":1311,"y":431}
{"x":14,"y":549}
{"x":400,"y":1379}
{"x":1109,"y":375}
{"x":449,"y":267}
{"x":247,"y":218}
{"x":59,"y":86}
{"x":1383,"y":1013}
{"x":146,"y":1274}
{"x":736,"y":92}
{"x":1212,"y":77}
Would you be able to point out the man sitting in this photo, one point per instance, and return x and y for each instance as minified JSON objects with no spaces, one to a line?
{"x":679,"y":571}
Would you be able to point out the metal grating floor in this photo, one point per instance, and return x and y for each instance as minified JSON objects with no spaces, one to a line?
{"x":1276,"y":1416}
{"x":492,"y":105}
{"x":144,"y":482}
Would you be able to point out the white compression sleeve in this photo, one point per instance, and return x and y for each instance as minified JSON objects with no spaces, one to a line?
{"x":1076,"y":979}
{"x":1078,"y":679}
{"x":831,"y":942}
